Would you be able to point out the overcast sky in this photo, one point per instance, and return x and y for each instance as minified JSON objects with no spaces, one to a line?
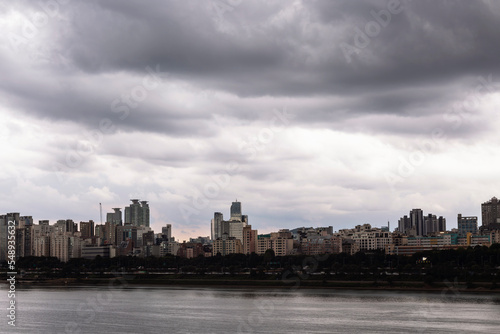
{"x":311,"y":113}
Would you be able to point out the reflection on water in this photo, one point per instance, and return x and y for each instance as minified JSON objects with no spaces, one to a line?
{"x":210,"y":310}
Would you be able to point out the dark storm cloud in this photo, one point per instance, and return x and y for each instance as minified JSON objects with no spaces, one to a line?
{"x":268,"y":49}
{"x":426,"y":41}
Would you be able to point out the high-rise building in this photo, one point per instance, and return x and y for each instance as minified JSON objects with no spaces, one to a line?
{"x":148,"y":238}
{"x":416,"y":224}
{"x":232,"y":227}
{"x":59,"y":246}
{"x":249,"y":240}
{"x":25,"y":221}
{"x":417,"y":221}
{"x":23,"y":241}
{"x":144,"y":214}
{"x":110,"y":233}
{"x":217,"y":226}
{"x":490,"y":212}
{"x":236,"y":229}
{"x":466,"y":225}
{"x":126,"y":233}
{"x":404,"y":225}
{"x":40,"y":238}
{"x":433,"y":224}
{"x":100,"y":231}
{"x":87,"y":229}
{"x":430,"y":224}
{"x":4,"y":232}
{"x":115,"y":217}
{"x":442,"y":224}
{"x":41,"y":245}
{"x":236,"y":211}
{"x":167,"y":231}
{"x":65,"y":225}
{"x":137,"y":213}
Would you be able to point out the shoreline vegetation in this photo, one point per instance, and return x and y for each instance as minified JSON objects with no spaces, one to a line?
{"x":472,"y":269}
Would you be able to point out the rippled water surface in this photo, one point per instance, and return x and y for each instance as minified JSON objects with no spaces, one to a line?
{"x":210,"y":310}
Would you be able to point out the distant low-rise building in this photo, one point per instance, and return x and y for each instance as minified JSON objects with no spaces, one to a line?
{"x":280,"y":242}
{"x":226,"y":245}
{"x":466,"y":224}
{"x":190,"y":250}
{"x":90,"y":252}
{"x":316,"y":245}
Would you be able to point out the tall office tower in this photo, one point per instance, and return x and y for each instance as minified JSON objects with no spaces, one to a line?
{"x":417,"y":221}
{"x":145,"y":214}
{"x":236,"y":211}
{"x":115,"y":217}
{"x":132,"y":213}
{"x":4,"y":233}
{"x":490,"y":212}
{"x":167,"y":231}
{"x":217,"y":225}
{"x":430,"y":224}
{"x":87,"y":229}
{"x":442,"y":224}
{"x":466,"y":225}
{"x":137,"y":213}
{"x":404,"y":225}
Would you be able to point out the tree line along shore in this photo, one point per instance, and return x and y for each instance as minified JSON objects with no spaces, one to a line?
{"x":466,"y":269}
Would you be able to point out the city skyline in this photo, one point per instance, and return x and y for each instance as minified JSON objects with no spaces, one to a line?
{"x":311,"y":112}
{"x":134,"y":236}
{"x":416,"y":219}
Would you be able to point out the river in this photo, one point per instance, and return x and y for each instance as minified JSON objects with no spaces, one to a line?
{"x":212,"y":310}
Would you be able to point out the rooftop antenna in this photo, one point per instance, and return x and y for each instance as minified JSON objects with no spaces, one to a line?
{"x":100,"y":209}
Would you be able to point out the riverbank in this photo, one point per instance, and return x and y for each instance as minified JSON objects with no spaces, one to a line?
{"x":134,"y":281}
